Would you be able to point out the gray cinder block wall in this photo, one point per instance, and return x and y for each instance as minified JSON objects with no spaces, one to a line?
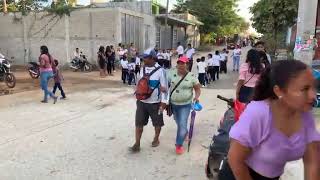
{"x":87,"y":29}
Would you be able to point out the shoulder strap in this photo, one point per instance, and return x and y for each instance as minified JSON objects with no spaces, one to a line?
{"x":178,"y":84}
{"x":152,"y":72}
{"x":248,"y":79}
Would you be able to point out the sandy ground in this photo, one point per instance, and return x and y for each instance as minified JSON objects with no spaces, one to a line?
{"x":87,"y":136}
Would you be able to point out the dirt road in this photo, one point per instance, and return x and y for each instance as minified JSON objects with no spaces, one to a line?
{"x":87,"y":136}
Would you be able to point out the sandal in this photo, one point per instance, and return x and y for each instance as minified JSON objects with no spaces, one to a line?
{"x":155,"y":143}
{"x":135,"y":148}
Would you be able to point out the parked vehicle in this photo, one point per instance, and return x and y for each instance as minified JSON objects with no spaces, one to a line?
{"x":34,"y":70}
{"x":231,"y":46}
{"x":5,"y":73}
{"x":220,"y":143}
{"x":81,"y":64}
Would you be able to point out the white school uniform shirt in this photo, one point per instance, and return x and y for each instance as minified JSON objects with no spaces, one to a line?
{"x":131,"y":66}
{"x":216,"y":60}
{"x":124,"y":64}
{"x":138,"y":61}
{"x":224,"y":56}
{"x":190,"y":53}
{"x":201,"y":67}
{"x":180,"y":50}
{"x":210,"y":62}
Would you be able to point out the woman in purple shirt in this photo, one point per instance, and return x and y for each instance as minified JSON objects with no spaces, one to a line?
{"x":277,"y":127}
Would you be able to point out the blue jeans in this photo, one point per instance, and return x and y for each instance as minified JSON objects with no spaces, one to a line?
{"x":44,"y":78}
{"x":236,"y":62}
{"x":181,"y":115}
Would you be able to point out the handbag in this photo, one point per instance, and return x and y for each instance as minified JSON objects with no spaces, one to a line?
{"x":244,"y":90}
{"x":169,"y":107}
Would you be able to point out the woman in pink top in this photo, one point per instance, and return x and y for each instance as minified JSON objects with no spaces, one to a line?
{"x":277,"y":126}
{"x":248,"y":76}
{"x":46,"y":72}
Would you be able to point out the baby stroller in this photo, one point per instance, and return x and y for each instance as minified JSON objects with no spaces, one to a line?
{"x":220,"y":143}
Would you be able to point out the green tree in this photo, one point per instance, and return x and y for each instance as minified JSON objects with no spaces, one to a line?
{"x":218,"y":16}
{"x":273,"y":17}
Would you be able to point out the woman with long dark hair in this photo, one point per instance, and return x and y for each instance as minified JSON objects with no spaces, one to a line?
{"x":113,"y":55}
{"x":277,"y":126}
{"x":109,"y":60}
{"x":102,"y":61}
{"x":46,"y":72}
{"x":248,"y":76}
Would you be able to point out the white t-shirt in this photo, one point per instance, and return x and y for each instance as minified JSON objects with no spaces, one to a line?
{"x":224,"y":56}
{"x":156,"y":78}
{"x":216,"y":60}
{"x":76,"y":55}
{"x":210,"y":62}
{"x":131,"y":66}
{"x":161,"y":56}
{"x":124,"y":64}
{"x":237,"y":52}
{"x":190,"y":53}
{"x":180,"y":50}
{"x":138,"y":61}
{"x":201,"y":67}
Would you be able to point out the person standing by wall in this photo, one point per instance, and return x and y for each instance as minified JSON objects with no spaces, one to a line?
{"x":125,"y":69}
{"x":102,"y":62}
{"x":181,"y":98}
{"x":109,"y":60}
{"x":152,"y":104}
{"x":113,"y":58}
{"x":46,"y":73}
{"x":190,"y":53}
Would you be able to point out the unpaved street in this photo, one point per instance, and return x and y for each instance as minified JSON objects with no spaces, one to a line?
{"x":87,"y":136}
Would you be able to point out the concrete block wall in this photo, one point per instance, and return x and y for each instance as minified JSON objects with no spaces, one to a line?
{"x":86,"y":29}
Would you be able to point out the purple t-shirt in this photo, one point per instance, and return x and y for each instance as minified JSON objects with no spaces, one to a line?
{"x":271,"y":149}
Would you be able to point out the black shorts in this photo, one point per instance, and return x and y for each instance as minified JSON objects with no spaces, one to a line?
{"x":144,"y":111}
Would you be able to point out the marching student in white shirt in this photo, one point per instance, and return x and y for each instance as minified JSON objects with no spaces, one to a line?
{"x":131,"y":71}
{"x":201,"y":66}
{"x":210,"y":67}
{"x":224,"y":61}
{"x":138,"y":64}
{"x":124,"y":64}
{"x":189,"y":53}
{"x":236,"y":58}
{"x":180,"y":50}
{"x":216,"y":66}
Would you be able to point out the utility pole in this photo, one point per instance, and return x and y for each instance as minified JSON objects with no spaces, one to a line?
{"x":5,"y":10}
{"x":166,"y":23}
{"x":167,"y":14}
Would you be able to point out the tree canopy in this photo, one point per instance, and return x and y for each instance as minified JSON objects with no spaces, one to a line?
{"x":272,"y":18}
{"x":218,"y":16}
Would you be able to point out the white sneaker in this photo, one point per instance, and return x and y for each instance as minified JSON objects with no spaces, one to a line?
{"x":203,"y":86}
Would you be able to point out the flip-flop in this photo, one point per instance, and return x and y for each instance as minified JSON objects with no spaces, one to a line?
{"x":134,"y":149}
{"x":155,"y":143}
